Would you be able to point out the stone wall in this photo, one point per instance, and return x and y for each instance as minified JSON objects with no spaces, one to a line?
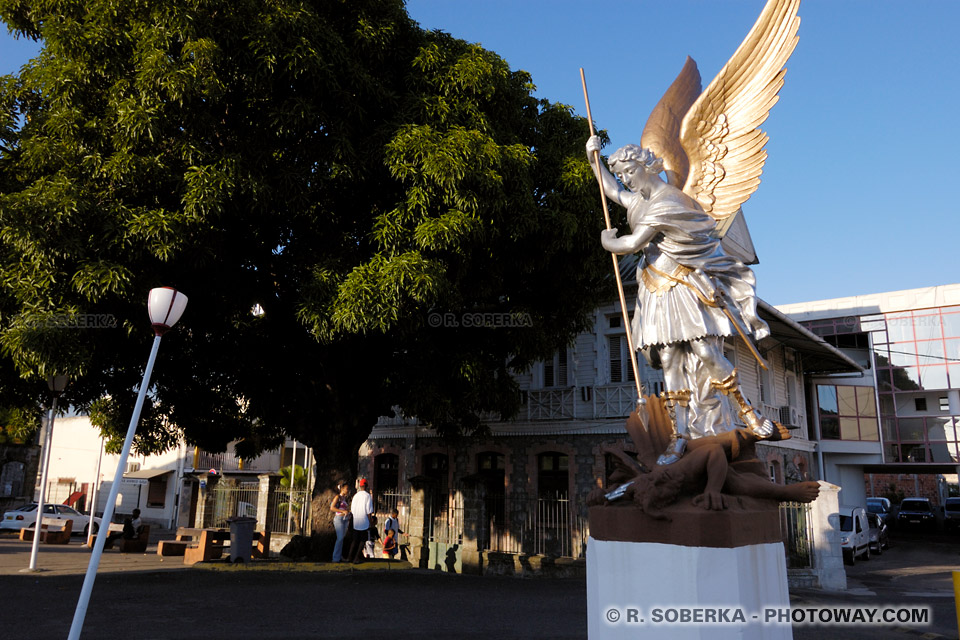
{"x":22,"y":484}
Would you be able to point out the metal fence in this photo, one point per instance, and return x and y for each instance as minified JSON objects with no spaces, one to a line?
{"x":384,"y":504}
{"x":542,"y":526}
{"x":796,"y":527}
{"x":293,"y":508}
{"x":445,"y":519}
{"x":231,"y":500}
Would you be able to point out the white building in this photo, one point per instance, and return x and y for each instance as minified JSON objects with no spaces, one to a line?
{"x":164,"y":487}
{"x":901,"y":415}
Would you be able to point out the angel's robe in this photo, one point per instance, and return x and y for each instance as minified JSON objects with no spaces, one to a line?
{"x":672,"y":304}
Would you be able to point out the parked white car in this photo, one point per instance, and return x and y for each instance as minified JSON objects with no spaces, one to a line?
{"x":26,"y":516}
{"x":854,"y":533}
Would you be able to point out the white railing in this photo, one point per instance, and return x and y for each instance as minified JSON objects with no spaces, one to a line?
{"x":551,"y":404}
{"x":614,"y":401}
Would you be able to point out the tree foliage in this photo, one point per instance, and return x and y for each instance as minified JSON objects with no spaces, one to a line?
{"x":330,"y":161}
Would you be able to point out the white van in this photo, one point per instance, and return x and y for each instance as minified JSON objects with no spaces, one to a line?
{"x":854,"y":533}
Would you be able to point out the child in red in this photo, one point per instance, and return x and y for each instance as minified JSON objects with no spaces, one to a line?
{"x":390,"y":544}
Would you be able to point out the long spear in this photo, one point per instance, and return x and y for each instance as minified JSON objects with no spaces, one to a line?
{"x":641,"y":409}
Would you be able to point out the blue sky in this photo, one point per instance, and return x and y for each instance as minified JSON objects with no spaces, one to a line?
{"x":858,"y":193}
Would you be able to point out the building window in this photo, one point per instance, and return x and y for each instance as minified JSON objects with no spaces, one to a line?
{"x":847,"y":413}
{"x":490,"y":466}
{"x":437,"y":467}
{"x":920,"y":404}
{"x":552,"y":475}
{"x":386,"y":472}
{"x":621,"y":369}
{"x":555,"y":370}
{"x":791,"y":390}
{"x":766,"y":386}
{"x":157,"y":492}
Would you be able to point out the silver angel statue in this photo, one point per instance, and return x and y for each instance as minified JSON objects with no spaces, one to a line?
{"x":691,"y":294}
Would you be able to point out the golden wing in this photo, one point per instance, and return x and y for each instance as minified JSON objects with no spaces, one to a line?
{"x":721,"y":133}
{"x":662,"y":132}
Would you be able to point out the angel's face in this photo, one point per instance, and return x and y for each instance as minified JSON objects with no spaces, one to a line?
{"x":632,"y":176}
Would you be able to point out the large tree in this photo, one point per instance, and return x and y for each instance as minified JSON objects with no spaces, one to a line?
{"x":327,"y":163}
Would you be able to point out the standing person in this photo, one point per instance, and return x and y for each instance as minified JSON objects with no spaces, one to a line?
{"x":361,"y":508}
{"x":341,"y":521}
{"x":393,"y":523}
{"x":389,"y":543}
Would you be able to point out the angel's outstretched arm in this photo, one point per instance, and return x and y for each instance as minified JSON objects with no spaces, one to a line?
{"x":612,"y":188}
{"x":628,"y":244}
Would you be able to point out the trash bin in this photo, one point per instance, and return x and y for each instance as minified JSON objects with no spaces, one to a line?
{"x":241,"y":538}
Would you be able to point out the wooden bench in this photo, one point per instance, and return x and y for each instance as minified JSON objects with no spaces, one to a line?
{"x":209,"y":546}
{"x":126,"y":545}
{"x":48,"y":535}
{"x":199,"y":545}
{"x":186,"y":538}
{"x":138,"y":544}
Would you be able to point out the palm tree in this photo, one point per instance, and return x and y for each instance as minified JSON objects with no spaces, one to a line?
{"x":298,"y":492}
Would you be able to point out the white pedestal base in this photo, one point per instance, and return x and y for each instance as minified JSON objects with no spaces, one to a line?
{"x":646,"y":589}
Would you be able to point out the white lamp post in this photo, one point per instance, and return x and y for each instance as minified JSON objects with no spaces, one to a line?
{"x":56,"y":384}
{"x":165,"y":306}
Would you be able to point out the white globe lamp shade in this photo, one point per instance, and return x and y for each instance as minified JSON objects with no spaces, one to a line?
{"x":165,"y":306}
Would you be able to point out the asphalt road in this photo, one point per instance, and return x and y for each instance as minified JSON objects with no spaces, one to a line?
{"x":146,"y":597}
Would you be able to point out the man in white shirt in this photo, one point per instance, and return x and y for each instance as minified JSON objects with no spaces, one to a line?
{"x":362,"y":509}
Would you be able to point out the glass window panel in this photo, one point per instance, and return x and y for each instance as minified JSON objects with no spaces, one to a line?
{"x":951,"y":325}
{"x":903,"y":354}
{"x":899,"y":327}
{"x":869,"y":429}
{"x":906,"y":379}
{"x":866,"y":404}
{"x":873,"y":325}
{"x":911,"y":429}
{"x":891,"y":452}
{"x":829,"y":428}
{"x":914,"y":453}
{"x":886,"y":405}
{"x":934,"y":377}
{"x":943,"y":452}
{"x":954,"y":371}
{"x":881,"y":349}
{"x":936,"y":428}
{"x":930,"y":352}
{"x":890,"y":429}
{"x":953,"y":350}
{"x":827,"y":395}
{"x":564,"y":463}
{"x":883,"y":380}
{"x":927,"y":327}
{"x":950,"y":429}
{"x":847,"y":400}
{"x":849,"y":430}
{"x":546,"y":462}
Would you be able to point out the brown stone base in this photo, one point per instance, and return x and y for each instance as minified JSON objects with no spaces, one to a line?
{"x":746,"y":521}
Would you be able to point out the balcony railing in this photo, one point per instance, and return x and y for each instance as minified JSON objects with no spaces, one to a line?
{"x":229,"y":462}
{"x":551,"y":404}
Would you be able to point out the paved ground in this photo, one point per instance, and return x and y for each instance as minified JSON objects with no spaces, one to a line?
{"x":164,"y":599}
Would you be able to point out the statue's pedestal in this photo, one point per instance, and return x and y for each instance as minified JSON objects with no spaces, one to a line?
{"x":704,"y":590}
{"x":647,"y":589}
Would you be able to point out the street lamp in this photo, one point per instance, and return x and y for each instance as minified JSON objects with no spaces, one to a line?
{"x":56,"y":384}
{"x":165,"y":306}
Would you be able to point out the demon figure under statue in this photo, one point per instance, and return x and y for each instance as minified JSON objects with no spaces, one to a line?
{"x":692,"y":295}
